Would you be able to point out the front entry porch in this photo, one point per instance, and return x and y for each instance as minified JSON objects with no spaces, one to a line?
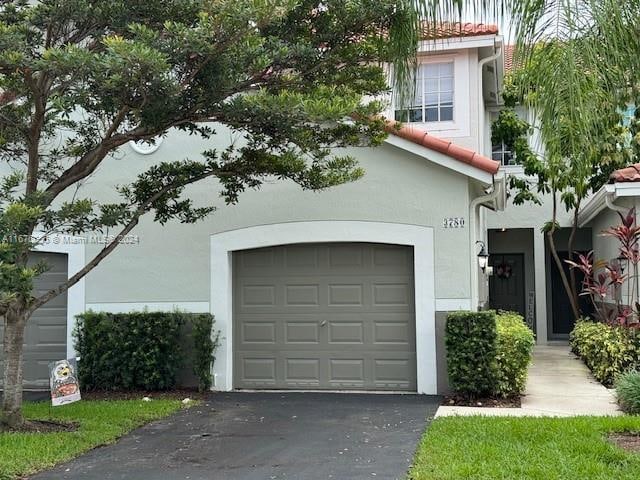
{"x":526,"y":279}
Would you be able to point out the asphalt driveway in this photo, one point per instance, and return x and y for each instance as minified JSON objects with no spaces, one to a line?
{"x":267,"y":436}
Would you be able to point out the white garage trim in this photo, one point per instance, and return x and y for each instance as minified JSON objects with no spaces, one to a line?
{"x":74,"y":248}
{"x":420,"y":238}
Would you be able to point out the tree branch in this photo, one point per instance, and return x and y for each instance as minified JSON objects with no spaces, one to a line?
{"x":144,"y":208}
{"x":91,"y":160}
{"x":34,"y":133}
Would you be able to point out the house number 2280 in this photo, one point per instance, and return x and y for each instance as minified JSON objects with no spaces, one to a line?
{"x":453,"y":222}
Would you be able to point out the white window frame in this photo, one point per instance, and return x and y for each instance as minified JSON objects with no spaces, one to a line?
{"x":462,"y":108}
{"x":503,"y":152}
{"x":422,"y":105}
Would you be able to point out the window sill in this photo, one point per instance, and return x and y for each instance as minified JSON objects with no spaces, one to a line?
{"x":517,"y":170}
{"x":448,"y":125}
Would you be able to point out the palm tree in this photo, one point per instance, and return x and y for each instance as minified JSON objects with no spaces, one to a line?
{"x":579,"y":67}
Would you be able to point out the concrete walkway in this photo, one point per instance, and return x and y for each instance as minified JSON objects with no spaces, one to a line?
{"x":559,"y":385}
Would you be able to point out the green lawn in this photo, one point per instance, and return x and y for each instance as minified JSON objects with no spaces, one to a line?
{"x":101,"y":422}
{"x":475,"y":448}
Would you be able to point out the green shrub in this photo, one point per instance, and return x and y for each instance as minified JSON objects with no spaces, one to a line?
{"x":514,"y":348}
{"x":628,"y":392}
{"x":139,"y":350}
{"x":205,"y":343}
{"x":607,"y":350}
{"x":471,"y":351}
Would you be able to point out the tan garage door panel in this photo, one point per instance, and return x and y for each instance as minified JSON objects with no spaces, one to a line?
{"x":325,"y":316}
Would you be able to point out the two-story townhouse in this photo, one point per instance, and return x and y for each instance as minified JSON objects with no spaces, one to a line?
{"x":345,"y":289}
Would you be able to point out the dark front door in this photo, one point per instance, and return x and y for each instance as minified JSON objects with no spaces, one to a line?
{"x":506,"y":285}
{"x":562,"y":320}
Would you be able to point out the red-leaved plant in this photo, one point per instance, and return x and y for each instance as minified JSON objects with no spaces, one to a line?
{"x":604,"y":282}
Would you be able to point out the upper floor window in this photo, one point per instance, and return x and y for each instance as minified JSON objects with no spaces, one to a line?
{"x":503,"y":154}
{"x":433,"y":98}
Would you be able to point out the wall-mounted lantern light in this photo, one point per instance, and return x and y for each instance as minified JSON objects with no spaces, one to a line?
{"x":621,"y":265}
{"x":483,"y":256}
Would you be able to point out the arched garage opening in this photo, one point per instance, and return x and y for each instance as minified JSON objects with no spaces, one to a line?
{"x":224,"y":280}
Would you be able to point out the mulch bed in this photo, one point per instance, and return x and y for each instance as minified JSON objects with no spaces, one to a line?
{"x":627,"y":441}
{"x":458,"y":401}
{"x":46,"y":426}
{"x":177,"y":394}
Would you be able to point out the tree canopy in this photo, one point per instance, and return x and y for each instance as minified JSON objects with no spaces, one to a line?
{"x":291,"y":76}
{"x":296,"y":79}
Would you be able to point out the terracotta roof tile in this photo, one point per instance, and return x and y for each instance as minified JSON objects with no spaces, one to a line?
{"x":457,"y":29}
{"x":423,"y":138}
{"x":508,"y":57}
{"x":628,"y":174}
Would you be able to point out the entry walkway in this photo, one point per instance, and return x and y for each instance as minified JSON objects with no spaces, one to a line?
{"x":559,"y":385}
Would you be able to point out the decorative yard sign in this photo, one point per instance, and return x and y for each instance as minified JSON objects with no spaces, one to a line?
{"x":63,"y":382}
{"x":453,"y":222}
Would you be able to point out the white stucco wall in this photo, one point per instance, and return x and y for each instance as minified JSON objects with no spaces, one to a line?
{"x":606,"y":248}
{"x":528,"y":215}
{"x":171,"y":263}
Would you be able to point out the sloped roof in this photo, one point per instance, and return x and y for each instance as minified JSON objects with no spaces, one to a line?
{"x":626,"y":175}
{"x":457,"y":29}
{"x":423,"y":138}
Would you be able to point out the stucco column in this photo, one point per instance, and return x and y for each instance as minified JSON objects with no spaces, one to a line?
{"x":540,"y":286}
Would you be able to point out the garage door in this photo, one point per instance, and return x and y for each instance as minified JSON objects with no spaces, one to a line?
{"x":325,"y":316}
{"x":46,"y":334}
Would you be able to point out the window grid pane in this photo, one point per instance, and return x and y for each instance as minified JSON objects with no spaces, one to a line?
{"x":501,"y":153}
{"x":433,"y":100}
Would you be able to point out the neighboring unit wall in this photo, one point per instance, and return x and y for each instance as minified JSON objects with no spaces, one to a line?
{"x":528,"y":215}
{"x":606,"y":248}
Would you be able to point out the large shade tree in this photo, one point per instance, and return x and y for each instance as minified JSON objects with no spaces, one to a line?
{"x":295,"y":78}
{"x":290,"y":75}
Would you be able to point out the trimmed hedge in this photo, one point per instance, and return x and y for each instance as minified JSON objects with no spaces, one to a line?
{"x":140,"y":350}
{"x":204,"y":344}
{"x":607,"y":350}
{"x":471,"y":352}
{"x":514,"y":349}
{"x":628,"y":392}
{"x":488,"y":354}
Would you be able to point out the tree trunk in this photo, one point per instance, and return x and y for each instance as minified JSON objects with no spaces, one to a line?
{"x":556,"y":258}
{"x":15,"y":320}
{"x":572,"y":273}
{"x":563,"y":275}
